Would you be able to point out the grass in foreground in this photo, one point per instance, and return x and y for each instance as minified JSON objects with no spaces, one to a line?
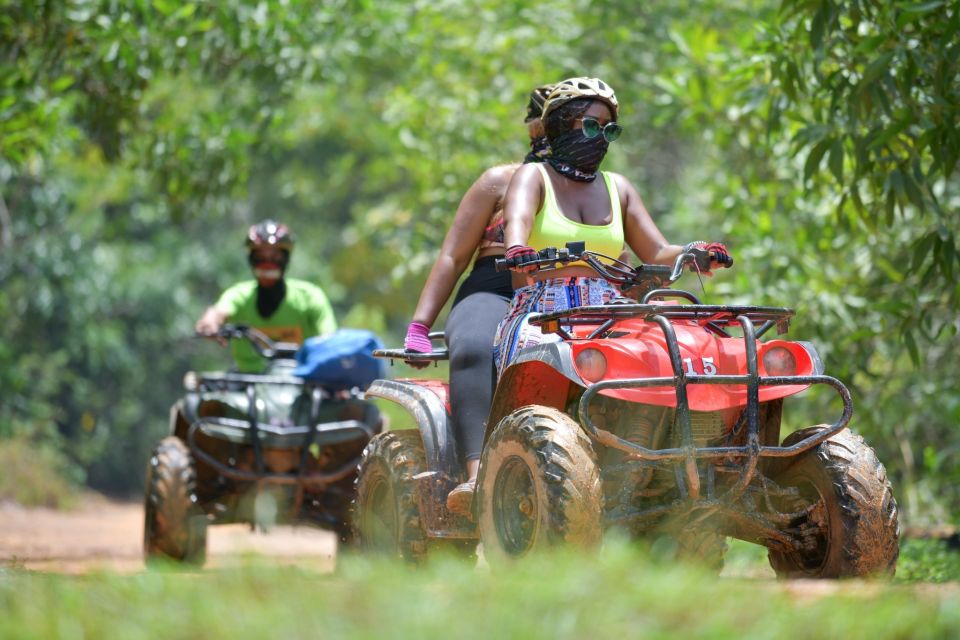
{"x":612,"y":594}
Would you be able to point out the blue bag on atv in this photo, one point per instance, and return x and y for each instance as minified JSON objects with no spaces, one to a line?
{"x":342,"y":360}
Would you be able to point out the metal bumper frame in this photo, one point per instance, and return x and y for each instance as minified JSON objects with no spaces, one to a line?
{"x":687,"y":473}
{"x":342,"y":431}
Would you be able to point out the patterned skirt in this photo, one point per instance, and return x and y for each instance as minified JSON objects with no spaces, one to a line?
{"x":557,"y":294}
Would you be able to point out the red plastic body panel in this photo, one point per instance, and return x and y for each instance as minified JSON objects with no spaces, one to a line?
{"x":643,"y":353}
{"x":440,"y":388}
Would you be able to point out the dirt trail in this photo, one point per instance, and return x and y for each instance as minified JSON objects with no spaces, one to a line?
{"x":103,"y":535}
{"x":100,"y":534}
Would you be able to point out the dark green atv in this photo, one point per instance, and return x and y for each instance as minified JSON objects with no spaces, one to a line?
{"x":262,"y":449}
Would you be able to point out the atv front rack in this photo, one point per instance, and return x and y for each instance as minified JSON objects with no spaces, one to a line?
{"x":251,"y":431}
{"x":714,"y":317}
{"x":688,"y":453}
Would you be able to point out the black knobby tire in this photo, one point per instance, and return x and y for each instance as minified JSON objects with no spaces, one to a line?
{"x":175,"y":527}
{"x":702,"y":548}
{"x":861,"y":533}
{"x":386,"y":512}
{"x":539,"y":485}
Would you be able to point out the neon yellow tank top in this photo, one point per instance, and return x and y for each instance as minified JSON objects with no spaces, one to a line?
{"x":553,"y":229}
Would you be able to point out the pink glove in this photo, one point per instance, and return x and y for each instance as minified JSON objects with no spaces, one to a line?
{"x":717,"y":252}
{"x":521,"y":254}
{"x":417,"y":341}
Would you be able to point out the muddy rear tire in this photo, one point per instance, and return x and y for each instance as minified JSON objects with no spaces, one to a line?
{"x":859,"y":529}
{"x":386,"y":513}
{"x":175,"y":527}
{"x":539,"y":486}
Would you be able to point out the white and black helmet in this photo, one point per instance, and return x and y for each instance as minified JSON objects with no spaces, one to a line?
{"x":269,"y":233}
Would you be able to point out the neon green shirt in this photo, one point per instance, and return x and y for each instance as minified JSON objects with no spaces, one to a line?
{"x":305,"y":312}
{"x":553,"y":229}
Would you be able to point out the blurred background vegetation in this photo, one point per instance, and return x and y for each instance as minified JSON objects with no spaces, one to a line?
{"x":138,"y":139}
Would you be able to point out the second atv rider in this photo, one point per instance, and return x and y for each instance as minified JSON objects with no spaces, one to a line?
{"x":284,"y":309}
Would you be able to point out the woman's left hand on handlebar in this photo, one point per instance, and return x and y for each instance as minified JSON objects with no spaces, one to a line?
{"x":716,"y":252}
{"x":719,"y":254}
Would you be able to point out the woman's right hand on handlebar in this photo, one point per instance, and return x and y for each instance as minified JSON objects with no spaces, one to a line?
{"x":522,"y":258}
{"x":417,"y":341}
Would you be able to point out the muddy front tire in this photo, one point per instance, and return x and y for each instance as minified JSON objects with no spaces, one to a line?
{"x":175,"y":528}
{"x":704,"y":549}
{"x":850,"y":507}
{"x":539,"y":486}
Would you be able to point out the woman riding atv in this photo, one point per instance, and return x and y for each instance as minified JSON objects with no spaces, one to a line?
{"x":481,"y":301}
{"x":561,"y":200}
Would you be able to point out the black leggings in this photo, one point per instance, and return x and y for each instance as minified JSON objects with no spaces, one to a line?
{"x":470,"y":329}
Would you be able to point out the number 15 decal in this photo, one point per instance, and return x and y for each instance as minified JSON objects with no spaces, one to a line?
{"x":709,"y":369}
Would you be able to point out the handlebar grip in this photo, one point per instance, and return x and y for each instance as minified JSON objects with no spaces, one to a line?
{"x":503,"y":264}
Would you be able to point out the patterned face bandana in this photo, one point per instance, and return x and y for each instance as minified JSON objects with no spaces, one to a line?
{"x":576,"y":156}
{"x":539,"y":150}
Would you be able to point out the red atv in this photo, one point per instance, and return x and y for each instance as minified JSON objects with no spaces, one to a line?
{"x":656,"y":418}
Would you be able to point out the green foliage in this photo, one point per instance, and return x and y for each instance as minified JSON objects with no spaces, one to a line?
{"x":928,"y":561}
{"x":876,"y":294}
{"x":616,"y":593}
{"x":819,"y":139}
{"x":873,"y":87}
{"x":877,"y":82}
{"x":35,"y":476}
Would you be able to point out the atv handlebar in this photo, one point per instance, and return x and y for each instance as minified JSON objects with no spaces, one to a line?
{"x":616,"y":271}
{"x":261,"y":343}
{"x":412,"y":356}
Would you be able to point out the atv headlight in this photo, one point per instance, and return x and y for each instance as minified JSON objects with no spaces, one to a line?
{"x":779,"y":361}
{"x":191,"y":381}
{"x":591,"y":364}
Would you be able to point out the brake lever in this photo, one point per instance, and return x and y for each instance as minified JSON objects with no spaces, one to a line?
{"x":682,"y":260}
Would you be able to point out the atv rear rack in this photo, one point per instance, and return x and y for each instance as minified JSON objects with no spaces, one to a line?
{"x":688,"y":452}
{"x":434,"y":356}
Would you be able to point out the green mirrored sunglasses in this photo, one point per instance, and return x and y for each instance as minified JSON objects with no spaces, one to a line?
{"x":592,"y":128}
